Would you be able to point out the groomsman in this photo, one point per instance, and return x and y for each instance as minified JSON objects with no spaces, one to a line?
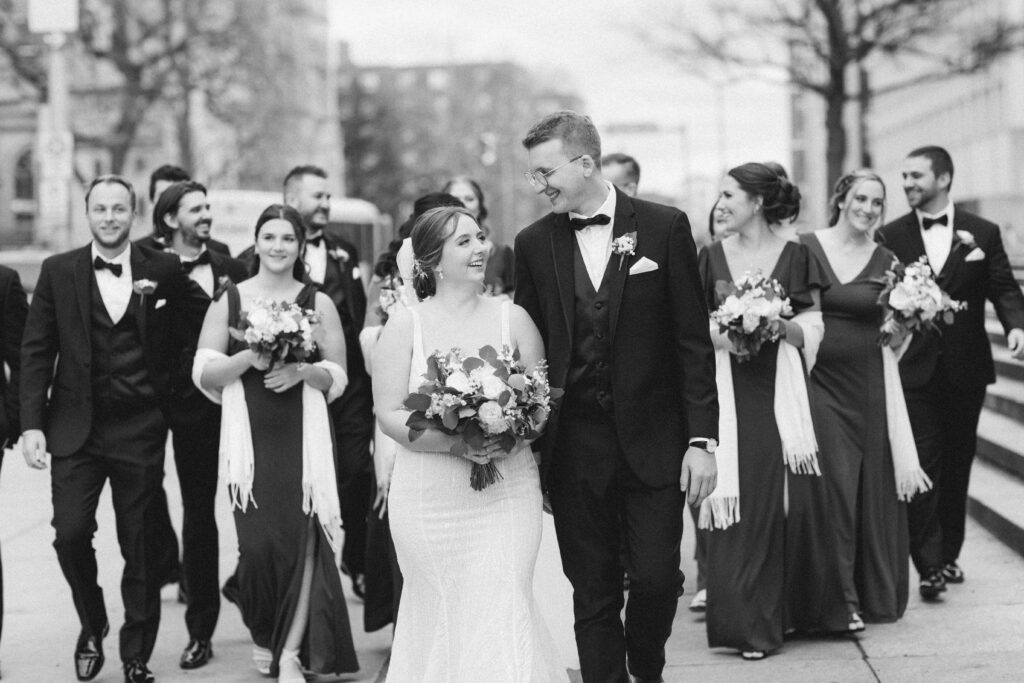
{"x":613,"y":286}
{"x":96,"y":356}
{"x":160,"y":180}
{"x":13,"y":309}
{"x":183,"y":212}
{"x":944,"y":375}
{"x":333,"y":264}
{"x":622,"y":171}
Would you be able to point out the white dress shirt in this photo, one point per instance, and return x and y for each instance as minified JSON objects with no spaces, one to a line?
{"x":938,"y":239}
{"x":316,"y":261}
{"x":116,"y":291}
{"x":202,"y":274}
{"x":596,"y":240}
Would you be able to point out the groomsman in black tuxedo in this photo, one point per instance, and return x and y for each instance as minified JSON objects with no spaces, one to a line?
{"x":333,"y":264}
{"x":13,"y":309}
{"x":96,"y":357}
{"x":160,"y":180}
{"x":944,"y":375}
{"x":613,"y":286}
{"x":183,"y":212}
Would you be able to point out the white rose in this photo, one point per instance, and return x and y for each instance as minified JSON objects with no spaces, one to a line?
{"x":901,"y":298}
{"x":751,"y":321}
{"x":459,"y":381}
{"x":492,"y":387}
{"x":492,"y":418}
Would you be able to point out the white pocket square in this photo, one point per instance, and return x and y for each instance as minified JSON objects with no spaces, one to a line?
{"x":976,"y":254}
{"x":644,"y":265}
{"x":160,"y":303}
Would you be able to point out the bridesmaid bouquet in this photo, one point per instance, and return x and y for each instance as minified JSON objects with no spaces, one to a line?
{"x":278,"y":330}
{"x":913,"y":300}
{"x":476,"y":397}
{"x":751,"y":312}
{"x":391,"y":295}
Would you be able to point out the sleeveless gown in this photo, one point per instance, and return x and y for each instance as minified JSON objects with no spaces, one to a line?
{"x":468,"y":611}
{"x":749,"y":564}
{"x":848,"y":396}
{"x":272,"y":537}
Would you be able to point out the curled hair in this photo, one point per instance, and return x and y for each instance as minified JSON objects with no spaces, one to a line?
{"x":473,"y":185}
{"x":780,"y":199}
{"x":847,"y":184}
{"x":429,"y":234}
{"x":169,"y":202}
{"x":292,"y":216}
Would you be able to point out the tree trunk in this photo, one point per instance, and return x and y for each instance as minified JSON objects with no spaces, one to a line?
{"x":863,"y":111}
{"x":836,"y":144}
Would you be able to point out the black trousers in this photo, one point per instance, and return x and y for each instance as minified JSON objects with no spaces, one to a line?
{"x":944,"y":419}
{"x":165,"y":541}
{"x":352,"y":415}
{"x":196,"y":447}
{"x":127,"y":449}
{"x":597,"y":501}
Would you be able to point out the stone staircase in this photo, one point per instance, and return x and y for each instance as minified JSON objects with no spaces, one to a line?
{"x":996,"y":494}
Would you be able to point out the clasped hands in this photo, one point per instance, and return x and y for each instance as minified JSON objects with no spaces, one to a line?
{"x":283,"y":377}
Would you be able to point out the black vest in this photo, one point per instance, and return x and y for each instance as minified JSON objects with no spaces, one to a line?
{"x":120,"y":376}
{"x":589,"y":384}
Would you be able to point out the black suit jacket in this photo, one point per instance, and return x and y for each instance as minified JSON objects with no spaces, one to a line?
{"x":151,"y":242}
{"x":13,"y":310}
{"x":962,"y":350}
{"x":663,"y":363}
{"x":58,"y":398}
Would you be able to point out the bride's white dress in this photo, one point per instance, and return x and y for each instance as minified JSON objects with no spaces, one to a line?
{"x":468,"y":612}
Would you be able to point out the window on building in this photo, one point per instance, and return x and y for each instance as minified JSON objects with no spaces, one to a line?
{"x":438,"y":79}
{"x":370,"y":81}
{"x":24,"y":177}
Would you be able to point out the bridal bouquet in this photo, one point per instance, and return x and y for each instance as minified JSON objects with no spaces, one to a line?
{"x":751,"y":312}
{"x":278,"y":330}
{"x":476,"y":397}
{"x":913,"y":300}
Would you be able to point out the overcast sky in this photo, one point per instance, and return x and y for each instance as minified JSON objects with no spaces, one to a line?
{"x":590,"y":45}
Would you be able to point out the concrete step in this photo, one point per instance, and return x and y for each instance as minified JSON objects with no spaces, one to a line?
{"x":995,"y":330}
{"x":1006,"y":365}
{"x":1001,"y":442}
{"x":1006,"y":397}
{"x":996,"y":501}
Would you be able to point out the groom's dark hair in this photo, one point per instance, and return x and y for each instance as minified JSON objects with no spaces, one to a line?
{"x":939,"y":158}
{"x":576,"y":131}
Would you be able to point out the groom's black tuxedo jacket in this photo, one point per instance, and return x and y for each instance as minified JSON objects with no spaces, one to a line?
{"x":662,"y":360}
{"x":962,"y":350}
{"x":58,"y":398}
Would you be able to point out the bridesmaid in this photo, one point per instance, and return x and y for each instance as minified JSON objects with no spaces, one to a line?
{"x":849,"y":397}
{"x":746,"y":556}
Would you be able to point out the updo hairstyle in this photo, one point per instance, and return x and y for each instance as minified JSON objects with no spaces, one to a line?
{"x":429,"y":234}
{"x":845,"y":185}
{"x":780,"y":199}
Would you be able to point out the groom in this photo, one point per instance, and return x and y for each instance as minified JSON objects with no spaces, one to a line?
{"x":612,"y":284}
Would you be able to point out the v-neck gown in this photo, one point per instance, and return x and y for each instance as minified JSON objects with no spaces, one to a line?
{"x":272,"y":534}
{"x":848,"y":396}
{"x":746,"y":601}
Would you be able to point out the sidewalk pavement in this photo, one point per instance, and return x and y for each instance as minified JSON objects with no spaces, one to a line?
{"x":975,"y":634}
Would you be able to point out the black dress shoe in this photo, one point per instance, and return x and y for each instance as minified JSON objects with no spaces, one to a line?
{"x":952,"y":573}
{"x":197,"y":653}
{"x":136,"y":671}
{"x":932,"y":584}
{"x":89,"y":654}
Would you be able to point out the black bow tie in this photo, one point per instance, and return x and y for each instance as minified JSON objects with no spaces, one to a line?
{"x":315,"y":241}
{"x":927,"y":223}
{"x":115,"y":268}
{"x":599,"y":219}
{"x":202,"y":260}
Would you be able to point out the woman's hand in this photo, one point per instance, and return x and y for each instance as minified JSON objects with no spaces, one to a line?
{"x":384,"y":455}
{"x":257,"y":360}
{"x":284,"y":377}
{"x":490,"y":450}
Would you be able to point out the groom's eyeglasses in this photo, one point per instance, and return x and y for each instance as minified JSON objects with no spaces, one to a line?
{"x":538,"y":179}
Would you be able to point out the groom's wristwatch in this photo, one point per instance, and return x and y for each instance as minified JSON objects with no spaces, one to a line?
{"x":708,"y":445}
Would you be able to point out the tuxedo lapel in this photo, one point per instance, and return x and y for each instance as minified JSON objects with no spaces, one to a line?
{"x":140,"y":271}
{"x":618,"y":266}
{"x":957,"y":250}
{"x":83,"y":291}
{"x":913,"y":234}
{"x":561,"y":253}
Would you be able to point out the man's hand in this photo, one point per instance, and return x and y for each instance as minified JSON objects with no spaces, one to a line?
{"x":33,"y":448}
{"x":1015,"y":340}
{"x":699,"y":476}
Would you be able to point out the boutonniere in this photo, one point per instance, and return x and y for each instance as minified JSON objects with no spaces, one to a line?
{"x":338,"y":254}
{"x":966,"y":238}
{"x":624,"y":246}
{"x":143,"y":288}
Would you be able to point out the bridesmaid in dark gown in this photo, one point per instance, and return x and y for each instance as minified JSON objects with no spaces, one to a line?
{"x":290,"y":592}
{"x":747,"y":561}
{"x":869,"y":523}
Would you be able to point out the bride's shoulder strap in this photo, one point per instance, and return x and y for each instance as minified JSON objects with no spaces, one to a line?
{"x":506,"y":324}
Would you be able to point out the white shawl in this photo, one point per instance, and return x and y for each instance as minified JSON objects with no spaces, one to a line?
{"x":319,"y":482}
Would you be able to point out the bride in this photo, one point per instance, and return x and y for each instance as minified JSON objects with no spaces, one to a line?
{"x":468,"y":611}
